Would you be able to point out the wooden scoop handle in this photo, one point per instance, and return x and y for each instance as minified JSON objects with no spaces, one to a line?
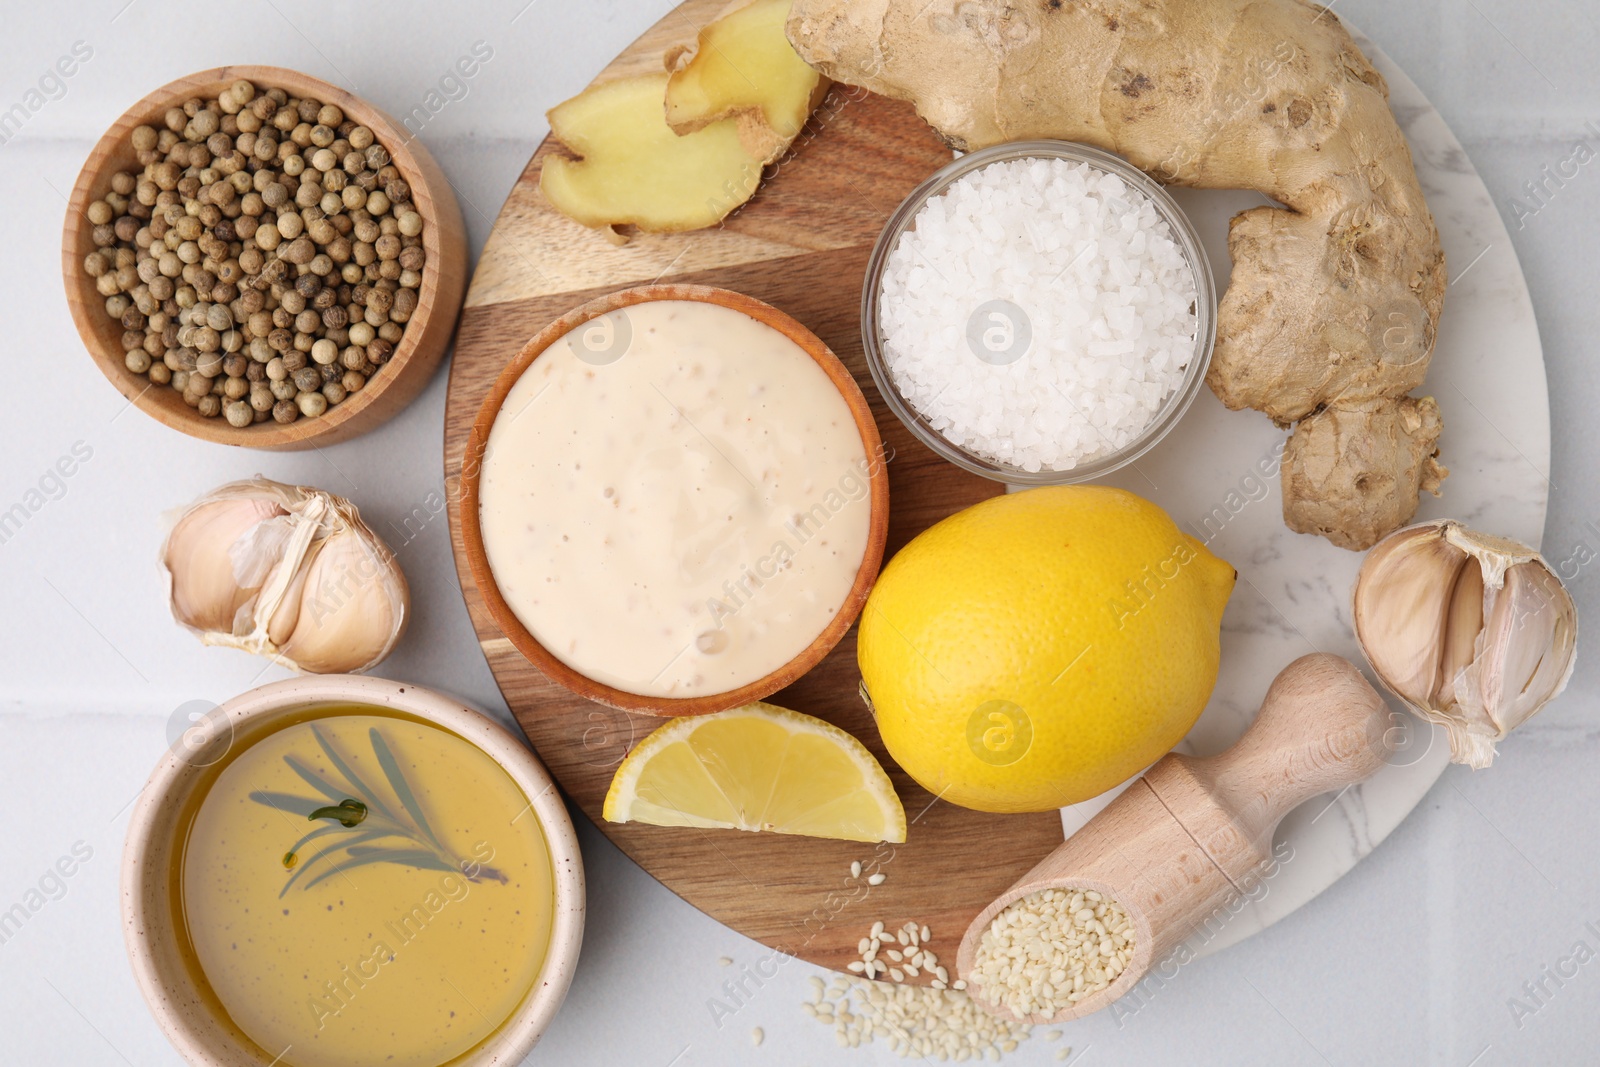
{"x":1321,"y":728}
{"x":1177,"y":845}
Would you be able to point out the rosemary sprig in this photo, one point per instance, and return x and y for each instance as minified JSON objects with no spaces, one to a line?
{"x":360,"y":825}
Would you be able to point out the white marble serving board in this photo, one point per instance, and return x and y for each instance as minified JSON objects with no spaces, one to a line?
{"x":1293,"y":592}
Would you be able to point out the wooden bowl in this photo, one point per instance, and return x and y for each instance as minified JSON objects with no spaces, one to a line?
{"x":427,"y":334}
{"x":187,"y":1011}
{"x":583,"y":685}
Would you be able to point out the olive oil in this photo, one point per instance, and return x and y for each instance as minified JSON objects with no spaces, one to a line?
{"x":364,"y":888}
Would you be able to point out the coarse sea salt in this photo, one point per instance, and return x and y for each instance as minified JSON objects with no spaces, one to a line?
{"x":1038,"y":313}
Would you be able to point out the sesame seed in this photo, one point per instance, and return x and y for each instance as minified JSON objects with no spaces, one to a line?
{"x":877,"y":930}
{"x":926,"y":936}
{"x":1052,"y":949}
{"x":897,"y":974}
{"x":877,"y":879}
{"x":855,"y":869}
{"x":856,"y":966}
{"x":917,"y":1023}
{"x":726,"y":961}
{"x":757,"y":1036}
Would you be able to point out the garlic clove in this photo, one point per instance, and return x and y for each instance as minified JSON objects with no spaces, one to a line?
{"x":281,"y":626}
{"x":1529,"y":642}
{"x":198,"y":557}
{"x":1463,"y":629}
{"x":1413,"y":629}
{"x":353,"y":611}
{"x":1504,"y":628}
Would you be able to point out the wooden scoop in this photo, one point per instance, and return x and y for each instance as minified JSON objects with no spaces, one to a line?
{"x":1178,"y":843}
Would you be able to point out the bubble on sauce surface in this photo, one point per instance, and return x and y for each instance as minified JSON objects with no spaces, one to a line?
{"x":712,"y":642}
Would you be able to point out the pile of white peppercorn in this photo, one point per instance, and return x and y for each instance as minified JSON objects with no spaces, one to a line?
{"x":265,"y":260}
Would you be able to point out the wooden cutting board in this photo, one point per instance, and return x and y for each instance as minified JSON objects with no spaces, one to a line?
{"x":801,"y":244}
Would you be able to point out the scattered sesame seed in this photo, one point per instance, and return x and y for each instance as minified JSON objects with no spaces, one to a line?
{"x":725,"y":961}
{"x":1064,"y":1054}
{"x":877,"y":930}
{"x":936,"y":1025}
{"x":926,"y":936}
{"x":757,"y":1036}
{"x":855,"y":869}
{"x":877,"y":879}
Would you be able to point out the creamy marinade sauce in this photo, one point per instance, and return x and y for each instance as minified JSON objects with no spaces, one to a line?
{"x":675,"y":499}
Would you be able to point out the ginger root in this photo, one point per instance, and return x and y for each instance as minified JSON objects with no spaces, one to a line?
{"x":681,"y":149}
{"x":742,"y":66}
{"x":635,"y":170}
{"x":1353,"y":470}
{"x":1334,"y":300}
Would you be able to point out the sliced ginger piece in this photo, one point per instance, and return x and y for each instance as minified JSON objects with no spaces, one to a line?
{"x":635,"y":170}
{"x":743,"y":67}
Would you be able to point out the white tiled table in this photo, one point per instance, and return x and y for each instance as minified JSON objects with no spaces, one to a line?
{"x":1412,"y":958}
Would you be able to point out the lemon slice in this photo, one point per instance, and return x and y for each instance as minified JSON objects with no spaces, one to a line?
{"x":757,"y":767}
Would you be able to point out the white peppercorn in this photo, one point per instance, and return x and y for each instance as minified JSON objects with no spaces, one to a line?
{"x":312,"y":404}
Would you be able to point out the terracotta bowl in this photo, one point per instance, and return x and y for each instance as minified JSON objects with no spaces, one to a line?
{"x":427,"y":334}
{"x":149,"y":919}
{"x":582,"y":684}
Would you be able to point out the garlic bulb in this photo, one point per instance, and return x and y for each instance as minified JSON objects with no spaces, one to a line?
{"x":289,"y":573}
{"x":1475,"y":632}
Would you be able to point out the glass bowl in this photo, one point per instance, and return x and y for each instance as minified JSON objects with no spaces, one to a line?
{"x":1172,"y":408}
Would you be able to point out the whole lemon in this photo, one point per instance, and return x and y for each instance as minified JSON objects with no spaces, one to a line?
{"x":1038,"y":648}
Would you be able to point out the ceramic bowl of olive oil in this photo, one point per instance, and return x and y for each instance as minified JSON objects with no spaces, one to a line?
{"x":340,"y":871}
